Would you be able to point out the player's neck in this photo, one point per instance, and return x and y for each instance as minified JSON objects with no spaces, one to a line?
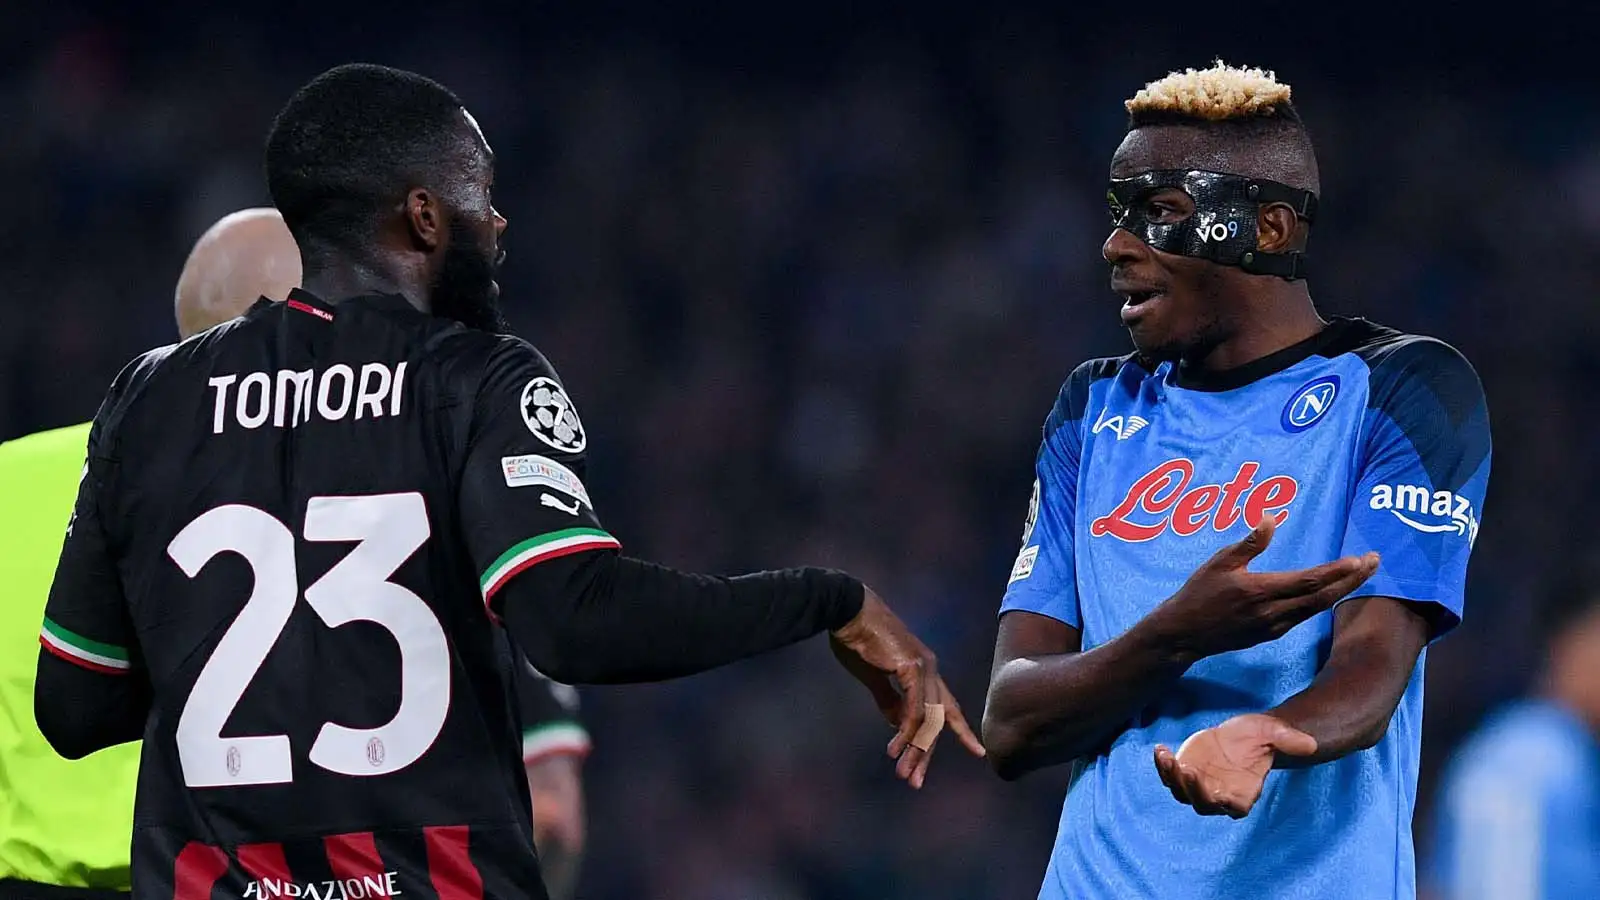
{"x":334,"y":281}
{"x":1276,"y":320}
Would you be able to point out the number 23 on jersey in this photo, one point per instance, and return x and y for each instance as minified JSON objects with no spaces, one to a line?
{"x":387,"y":529}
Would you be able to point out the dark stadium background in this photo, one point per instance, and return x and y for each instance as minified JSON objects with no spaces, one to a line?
{"x":813,"y":273}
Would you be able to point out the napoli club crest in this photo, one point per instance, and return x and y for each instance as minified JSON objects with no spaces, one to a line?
{"x":1309,"y":404}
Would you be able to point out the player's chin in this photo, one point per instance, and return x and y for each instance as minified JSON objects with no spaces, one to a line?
{"x":1153,"y":341}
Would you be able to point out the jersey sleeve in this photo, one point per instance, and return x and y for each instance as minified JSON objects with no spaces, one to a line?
{"x":549,"y":711}
{"x":523,"y":501}
{"x":1043,"y":579}
{"x":1423,"y":471}
{"x":86,"y":617}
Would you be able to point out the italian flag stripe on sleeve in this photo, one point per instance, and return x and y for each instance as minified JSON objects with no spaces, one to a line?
{"x":555,"y":738}
{"x":538,"y":549}
{"x":75,"y":648}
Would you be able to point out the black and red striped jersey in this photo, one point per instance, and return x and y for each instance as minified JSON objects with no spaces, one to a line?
{"x":284,"y":536}
{"x":433,"y":861}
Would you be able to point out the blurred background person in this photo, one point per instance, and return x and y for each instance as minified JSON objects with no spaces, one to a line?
{"x":1519,"y":805}
{"x":554,"y":744}
{"x":65,"y":825}
{"x":811,"y":268}
{"x":245,"y":256}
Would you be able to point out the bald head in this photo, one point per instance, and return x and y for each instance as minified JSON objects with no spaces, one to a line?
{"x":246,"y":255}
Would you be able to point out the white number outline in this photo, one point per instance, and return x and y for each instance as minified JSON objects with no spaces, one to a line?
{"x":387,"y":530}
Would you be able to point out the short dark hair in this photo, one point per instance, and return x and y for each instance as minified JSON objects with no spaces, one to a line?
{"x":1281,"y":120}
{"x":352,"y":141}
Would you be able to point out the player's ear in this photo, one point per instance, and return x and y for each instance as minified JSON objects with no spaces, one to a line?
{"x":424,"y":218}
{"x":1276,"y":226}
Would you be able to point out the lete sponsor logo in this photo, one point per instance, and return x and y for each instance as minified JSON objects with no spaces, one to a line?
{"x":1428,"y":511}
{"x":1162,"y":499}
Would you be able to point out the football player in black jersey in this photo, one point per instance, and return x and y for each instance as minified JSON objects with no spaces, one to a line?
{"x":250,"y":254}
{"x":296,"y":532}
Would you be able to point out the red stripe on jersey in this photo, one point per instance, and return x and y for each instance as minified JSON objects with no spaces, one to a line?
{"x":450,"y":865}
{"x":308,"y":308}
{"x":264,"y":862}
{"x":353,"y":855}
{"x":80,"y":663}
{"x":198,"y":868}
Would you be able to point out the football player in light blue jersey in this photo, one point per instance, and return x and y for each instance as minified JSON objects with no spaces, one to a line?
{"x":1518,"y":815}
{"x":1243,"y":537}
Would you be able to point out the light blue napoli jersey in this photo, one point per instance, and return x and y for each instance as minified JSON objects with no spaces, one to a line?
{"x":1358,"y":439}
{"x":1519,"y":811}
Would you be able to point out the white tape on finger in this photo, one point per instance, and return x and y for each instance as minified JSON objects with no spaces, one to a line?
{"x":932,"y":724}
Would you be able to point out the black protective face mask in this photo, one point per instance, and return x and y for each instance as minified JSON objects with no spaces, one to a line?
{"x":1222,"y":227}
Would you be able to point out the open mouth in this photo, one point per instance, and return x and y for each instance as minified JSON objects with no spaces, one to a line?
{"x":1137,"y":303}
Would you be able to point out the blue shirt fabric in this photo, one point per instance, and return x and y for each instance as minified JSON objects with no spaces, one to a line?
{"x":1519,"y":810}
{"x":1360,"y":438}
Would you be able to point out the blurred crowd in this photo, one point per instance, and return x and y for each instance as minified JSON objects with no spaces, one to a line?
{"x":820,"y":320}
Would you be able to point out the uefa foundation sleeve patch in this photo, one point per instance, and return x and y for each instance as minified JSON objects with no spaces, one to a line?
{"x":75,"y":648}
{"x":538,"y":549}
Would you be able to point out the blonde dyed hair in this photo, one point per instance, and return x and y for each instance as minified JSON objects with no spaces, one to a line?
{"x":1220,"y":93}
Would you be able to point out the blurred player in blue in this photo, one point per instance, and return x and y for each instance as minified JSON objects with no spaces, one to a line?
{"x":1518,"y":815}
{"x":1201,"y":505}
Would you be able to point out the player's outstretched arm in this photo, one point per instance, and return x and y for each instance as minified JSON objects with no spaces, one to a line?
{"x":1049,"y":703}
{"x":585,"y":614}
{"x":598,"y":618}
{"x":602,"y":618}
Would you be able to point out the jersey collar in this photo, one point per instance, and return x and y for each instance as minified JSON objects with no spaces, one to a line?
{"x":1255,"y":370}
{"x":375,"y":301}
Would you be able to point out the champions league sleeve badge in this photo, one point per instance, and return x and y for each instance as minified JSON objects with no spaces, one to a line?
{"x":550,"y":415}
